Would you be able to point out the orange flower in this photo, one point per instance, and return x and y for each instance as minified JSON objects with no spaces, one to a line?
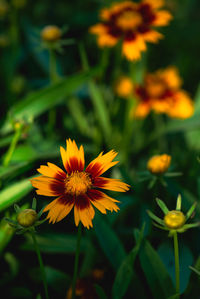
{"x":133,"y":23}
{"x":162,"y":93}
{"x":77,"y":187}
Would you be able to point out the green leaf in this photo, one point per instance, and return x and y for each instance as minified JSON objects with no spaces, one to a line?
{"x":79,"y":115}
{"x":195,"y":270}
{"x":109,"y":242}
{"x":100,"y":292}
{"x":155,"y":218}
{"x":125,"y":271}
{"x":58,"y":280}
{"x":176,"y":296}
{"x":12,"y":170}
{"x":191,"y":210}
{"x":56,"y":243}
{"x":178,"y":203}
{"x":155,"y":272}
{"x":162,"y":205}
{"x":14,"y":193}
{"x":166,"y":254}
{"x":46,"y":98}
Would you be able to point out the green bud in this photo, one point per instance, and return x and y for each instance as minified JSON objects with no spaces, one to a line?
{"x":27,"y":217}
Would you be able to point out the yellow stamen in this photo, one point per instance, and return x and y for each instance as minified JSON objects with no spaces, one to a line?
{"x":78,"y":183}
{"x":174,"y":219}
{"x":129,"y":20}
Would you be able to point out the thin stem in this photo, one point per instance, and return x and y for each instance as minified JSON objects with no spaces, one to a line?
{"x":177,"y":268}
{"x":76,"y":261}
{"x":16,"y":137}
{"x":53,"y":76}
{"x":41,"y":265}
{"x":52,"y":66}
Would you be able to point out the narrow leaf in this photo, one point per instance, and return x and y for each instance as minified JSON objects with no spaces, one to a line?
{"x":109,"y":242}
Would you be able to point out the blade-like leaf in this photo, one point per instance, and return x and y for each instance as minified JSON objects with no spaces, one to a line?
{"x":109,"y":242}
{"x":155,"y":272}
{"x":162,"y":205}
{"x":14,"y":193}
{"x":40,"y":101}
{"x":155,"y":218}
{"x":125,"y":272}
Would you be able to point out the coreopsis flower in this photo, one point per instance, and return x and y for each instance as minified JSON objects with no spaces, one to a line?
{"x":174,"y":220}
{"x":162,"y":93}
{"x":133,"y":23}
{"x":78,"y":187}
{"x":159,"y":164}
{"x":124,"y":87}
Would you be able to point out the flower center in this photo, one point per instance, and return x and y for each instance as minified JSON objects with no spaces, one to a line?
{"x":174,"y":219}
{"x":155,"y":87}
{"x":77,"y":183}
{"x":129,"y":20}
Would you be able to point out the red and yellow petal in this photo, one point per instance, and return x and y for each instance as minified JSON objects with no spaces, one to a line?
{"x":102,"y":201}
{"x":154,"y":4}
{"x":47,"y":186}
{"x":163,"y":17}
{"x":132,"y":49}
{"x":102,"y":163}
{"x":59,"y":208}
{"x":83,"y":211}
{"x":73,"y":158}
{"x":110,"y":184}
{"x":152,"y":36}
{"x":141,"y":110}
{"x":52,"y":171}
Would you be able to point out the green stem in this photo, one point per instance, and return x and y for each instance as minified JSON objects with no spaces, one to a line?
{"x":128,"y":129}
{"x":13,"y":144}
{"x":41,"y":265}
{"x":177,"y":268}
{"x":52,"y":66}
{"x":53,"y":75}
{"x":76,"y":261}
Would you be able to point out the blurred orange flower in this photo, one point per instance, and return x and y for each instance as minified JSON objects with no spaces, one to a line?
{"x":162,"y":93}
{"x":124,"y":87}
{"x":133,"y":23}
{"x":77,"y":187}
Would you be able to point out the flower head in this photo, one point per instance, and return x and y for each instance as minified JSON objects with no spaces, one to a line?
{"x":159,"y":164}
{"x":173,"y":221}
{"x":51,"y":33}
{"x":133,"y":23}
{"x":162,"y":93}
{"x":78,"y":187}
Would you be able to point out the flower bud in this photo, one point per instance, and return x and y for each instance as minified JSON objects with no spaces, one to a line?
{"x":124,"y":87}
{"x":27,"y":217}
{"x":159,"y":164}
{"x":3,"y":8}
{"x":19,"y":3}
{"x":51,"y":33}
{"x":174,"y":219}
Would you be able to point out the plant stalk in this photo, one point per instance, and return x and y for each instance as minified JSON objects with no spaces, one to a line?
{"x":76,"y":261}
{"x":177,"y":267}
{"x":16,"y":137}
{"x":41,"y":264}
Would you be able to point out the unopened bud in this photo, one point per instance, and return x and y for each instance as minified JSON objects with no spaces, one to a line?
{"x":159,"y":164}
{"x":27,"y":217}
{"x":51,"y":33}
{"x":174,"y":219}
